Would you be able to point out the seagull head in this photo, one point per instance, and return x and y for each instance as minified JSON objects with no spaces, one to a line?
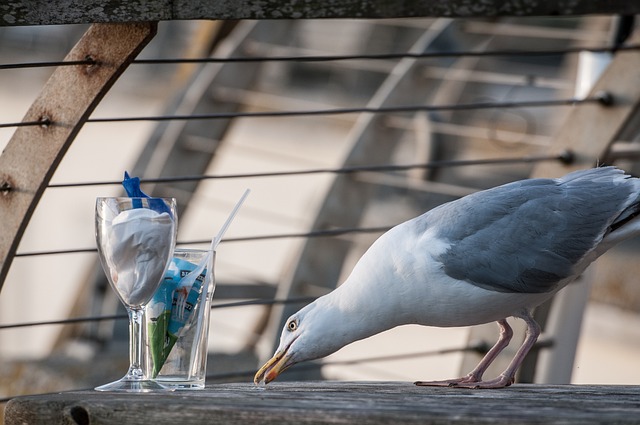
{"x":309,"y":334}
{"x":352,"y":311}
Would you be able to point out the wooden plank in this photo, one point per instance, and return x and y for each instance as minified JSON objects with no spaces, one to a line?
{"x":66,"y":101}
{"x":336,"y":403}
{"x":39,"y":12}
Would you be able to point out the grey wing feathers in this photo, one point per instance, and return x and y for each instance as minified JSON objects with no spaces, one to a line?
{"x":527,"y":236}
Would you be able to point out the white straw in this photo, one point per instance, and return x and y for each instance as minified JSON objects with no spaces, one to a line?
{"x":216,"y":240}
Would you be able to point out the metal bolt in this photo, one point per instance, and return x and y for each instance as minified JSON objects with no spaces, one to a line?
{"x":5,"y":187}
{"x":605,"y":98}
{"x":45,"y":121}
{"x":567,"y":157}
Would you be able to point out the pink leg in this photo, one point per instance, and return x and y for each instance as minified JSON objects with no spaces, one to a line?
{"x":476,"y":374}
{"x":506,"y":378}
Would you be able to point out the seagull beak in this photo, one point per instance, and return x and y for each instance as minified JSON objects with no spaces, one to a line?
{"x":274,"y":367}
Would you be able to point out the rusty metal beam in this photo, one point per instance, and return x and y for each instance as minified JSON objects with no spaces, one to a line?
{"x":66,"y":101}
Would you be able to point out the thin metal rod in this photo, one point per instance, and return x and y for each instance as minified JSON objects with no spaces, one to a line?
{"x":56,"y":64}
{"x":333,"y":58}
{"x":388,"y":56}
{"x":341,"y":111}
{"x":300,"y":300}
{"x":564,"y":157}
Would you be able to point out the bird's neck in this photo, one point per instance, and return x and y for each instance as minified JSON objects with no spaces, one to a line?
{"x":366,"y":312}
{"x":371,"y":297}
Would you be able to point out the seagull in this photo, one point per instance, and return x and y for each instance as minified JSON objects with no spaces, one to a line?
{"x":490,"y":255}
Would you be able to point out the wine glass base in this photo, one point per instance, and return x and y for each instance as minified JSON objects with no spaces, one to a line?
{"x":134,"y":386}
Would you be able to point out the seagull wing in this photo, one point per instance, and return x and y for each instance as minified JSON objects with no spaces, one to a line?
{"x":529,"y":235}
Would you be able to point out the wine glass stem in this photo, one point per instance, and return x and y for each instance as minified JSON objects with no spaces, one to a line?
{"x":136,"y":360}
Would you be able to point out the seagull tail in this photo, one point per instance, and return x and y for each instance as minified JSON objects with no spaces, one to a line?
{"x":632,"y":210}
{"x":627,"y":223}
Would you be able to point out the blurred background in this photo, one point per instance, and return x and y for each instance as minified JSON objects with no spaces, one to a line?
{"x":268,"y":252}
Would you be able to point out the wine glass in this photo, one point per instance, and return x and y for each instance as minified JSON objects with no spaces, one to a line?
{"x":136,"y":238}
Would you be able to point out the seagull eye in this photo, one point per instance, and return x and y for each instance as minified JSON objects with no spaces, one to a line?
{"x":292,"y":325}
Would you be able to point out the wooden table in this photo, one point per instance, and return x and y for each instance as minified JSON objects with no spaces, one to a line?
{"x":336,"y":403}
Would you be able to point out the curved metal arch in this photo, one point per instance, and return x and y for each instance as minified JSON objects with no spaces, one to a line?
{"x":66,"y":101}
